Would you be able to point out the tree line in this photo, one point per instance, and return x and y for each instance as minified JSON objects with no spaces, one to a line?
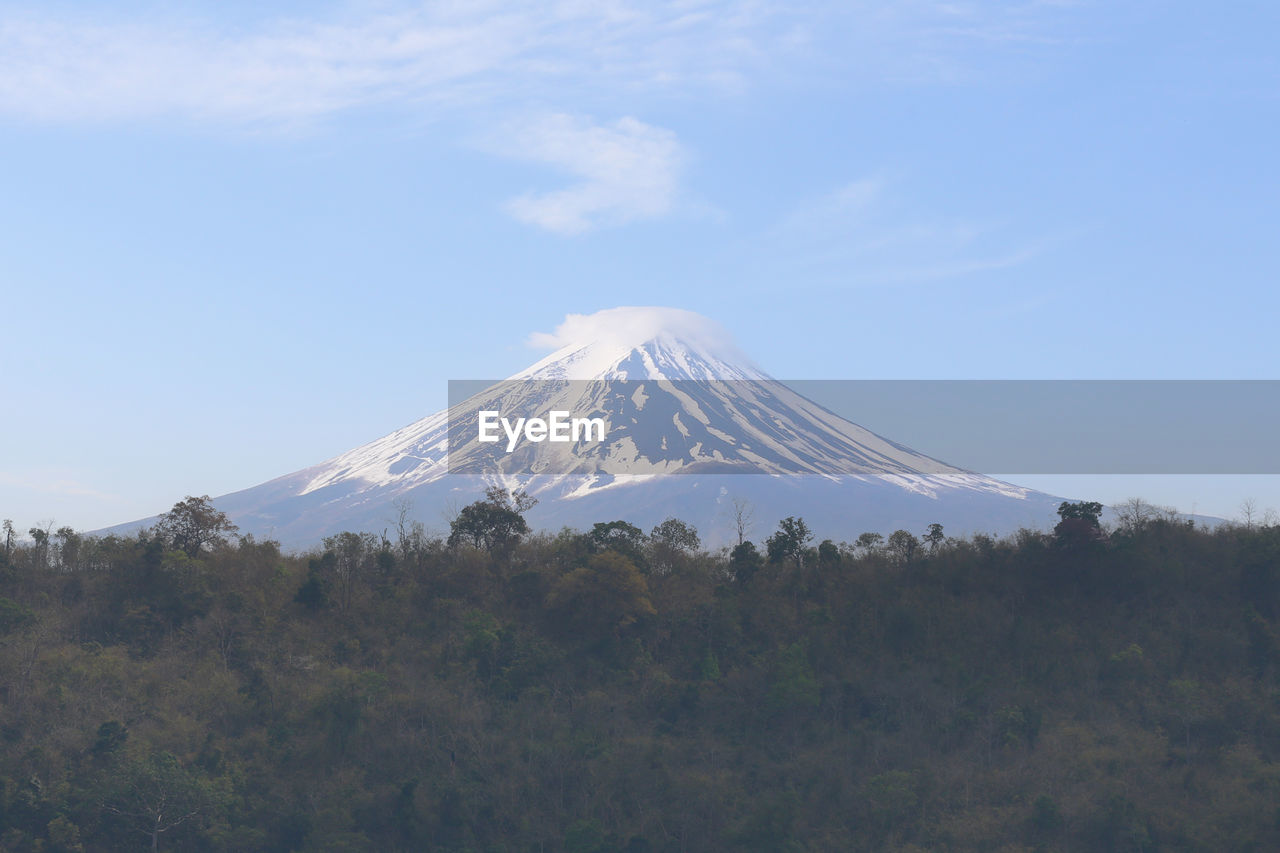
{"x":1095,"y":687}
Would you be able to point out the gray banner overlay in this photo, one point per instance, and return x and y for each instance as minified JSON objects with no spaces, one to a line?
{"x":895,"y":427}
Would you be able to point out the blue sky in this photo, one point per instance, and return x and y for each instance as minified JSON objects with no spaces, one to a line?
{"x":237,"y":239}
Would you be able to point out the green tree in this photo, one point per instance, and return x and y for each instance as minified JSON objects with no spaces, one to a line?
{"x":869,"y":542}
{"x":1259,"y":558}
{"x":672,"y":541}
{"x":1079,"y":525}
{"x":70,"y":545}
{"x":795,"y":685}
{"x":621,"y":537}
{"x":349,"y":558}
{"x":745,"y":561}
{"x":65,"y":835}
{"x":8,"y":538}
{"x":935,"y":536}
{"x":903,"y":545}
{"x":494,"y":524}
{"x":314,"y":592}
{"x":40,"y":553}
{"x":13,"y":616}
{"x":676,"y":534}
{"x":193,"y":524}
{"x":1089,"y":511}
{"x":600,"y":600}
{"x":789,"y":542}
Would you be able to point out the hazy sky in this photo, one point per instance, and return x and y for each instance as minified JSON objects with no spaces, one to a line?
{"x":239,"y":238}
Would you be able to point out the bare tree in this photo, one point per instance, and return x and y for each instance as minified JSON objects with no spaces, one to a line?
{"x":158,"y":794}
{"x":1249,"y":512}
{"x":403,"y":507}
{"x":450,"y":511}
{"x":1135,"y":514}
{"x":411,"y":535}
{"x":744,"y":514}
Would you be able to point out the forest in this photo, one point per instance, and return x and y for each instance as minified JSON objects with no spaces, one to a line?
{"x":1096,"y":687}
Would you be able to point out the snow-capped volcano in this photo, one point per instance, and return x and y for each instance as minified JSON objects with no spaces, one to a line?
{"x":674,"y":397}
{"x":688,"y":425}
{"x":640,"y":349}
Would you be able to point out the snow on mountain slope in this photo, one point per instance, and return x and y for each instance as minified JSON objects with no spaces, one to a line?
{"x":672,"y":404}
{"x":623,"y":343}
{"x":678,"y":398}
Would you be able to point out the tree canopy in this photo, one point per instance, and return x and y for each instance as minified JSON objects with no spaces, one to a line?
{"x":194,"y":524}
{"x":495,"y":523}
{"x":527,"y":691}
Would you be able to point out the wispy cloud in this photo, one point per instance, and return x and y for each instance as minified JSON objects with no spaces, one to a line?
{"x":62,"y":67}
{"x":54,"y":483}
{"x":866,"y":233}
{"x":487,"y":60}
{"x":626,"y":170}
{"x":76,"y":70}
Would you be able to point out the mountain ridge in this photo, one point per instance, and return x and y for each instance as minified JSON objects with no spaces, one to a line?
{"x":710,"y":411}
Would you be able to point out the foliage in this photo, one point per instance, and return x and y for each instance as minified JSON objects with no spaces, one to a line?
{"x":1079,"y":526}
{"x":671,"y":543}
{"x":789,"y":542}
{"x":677,"y":535}
{"x":495,"y":524}
{"x":193,"y":524}
{"x":522,"y":692}
{"x":600,"y":600}
{"x":1088,"y":511}
{"x":903,"y":546}
{"x":934,"y":536}
{"x":620,"y":537}
{"x":745,"y":561}
{"x":869,"y":541}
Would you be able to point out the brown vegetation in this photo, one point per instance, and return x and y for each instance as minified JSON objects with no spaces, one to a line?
{"x":617,"y":691}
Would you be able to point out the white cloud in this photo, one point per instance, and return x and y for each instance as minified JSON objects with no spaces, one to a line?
{"x":866,"y":233}
{"x":54,"y":69}
{"x":838,"y":209}
{"x":53,"y":483}
{"x":596,"y":340}
{"x":628,"y":326}
{"x":68,"y":66}
{"x":626,"y":170}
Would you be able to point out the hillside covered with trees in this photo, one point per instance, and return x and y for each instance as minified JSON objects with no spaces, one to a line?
{"x":1085,"y":689}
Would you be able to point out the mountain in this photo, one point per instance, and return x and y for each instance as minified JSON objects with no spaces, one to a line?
{"x":691,"y":428}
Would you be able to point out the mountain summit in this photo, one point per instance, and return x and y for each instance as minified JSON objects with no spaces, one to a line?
{"x":688,"y":427}
{"x":640,"y":343}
